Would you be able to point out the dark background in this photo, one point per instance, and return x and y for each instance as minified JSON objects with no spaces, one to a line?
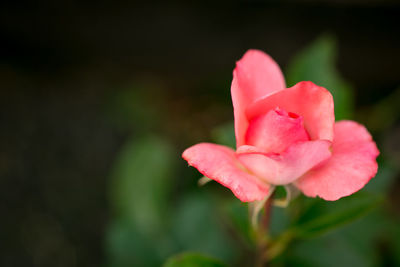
{"x":63,"y":64}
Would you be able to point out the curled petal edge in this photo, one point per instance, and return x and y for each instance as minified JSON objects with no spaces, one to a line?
{"x":220,"y":164}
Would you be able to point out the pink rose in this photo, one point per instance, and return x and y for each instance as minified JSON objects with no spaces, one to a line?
{"x":286,"y":136}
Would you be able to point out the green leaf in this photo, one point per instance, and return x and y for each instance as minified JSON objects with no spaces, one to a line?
{"x":192,"y":259}
{"x":352,"y":245}
{"x":327,"y":251}
{"x":316,"y":63}
{"x":331,"y":215}
{"x":198,"y":226}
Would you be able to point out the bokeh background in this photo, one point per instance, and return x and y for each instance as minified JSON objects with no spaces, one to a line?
{"x":99,"y":99}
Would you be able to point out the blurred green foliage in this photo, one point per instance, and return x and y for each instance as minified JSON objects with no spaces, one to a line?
{"x":192,"y":260}
{"x":318,"y":216}
{"x":385,"y":113}
{"x":141,"y":182}
{"x":225,"y":135}
{"x":317,"y":63}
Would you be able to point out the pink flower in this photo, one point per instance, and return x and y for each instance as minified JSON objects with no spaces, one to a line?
{"x":286,"y":136}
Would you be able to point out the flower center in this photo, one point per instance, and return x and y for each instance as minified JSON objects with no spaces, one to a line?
{"x":275,"y":131}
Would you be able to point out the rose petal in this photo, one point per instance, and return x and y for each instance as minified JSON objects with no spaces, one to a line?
{"x":352,"y":165}
{"x":256,"y":75}
{"x":312,"y":102}
{"x":287,"y":167}
{"x":220,"y":164}
{"x":275,"y":131}
{"x":250,"y":149}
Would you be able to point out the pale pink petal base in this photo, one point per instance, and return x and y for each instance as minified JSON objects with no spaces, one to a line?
{"x":282,"y":169}
{"x":352,"y":165}
{"x":220,"y":164}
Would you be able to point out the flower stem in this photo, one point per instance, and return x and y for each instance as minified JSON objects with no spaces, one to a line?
{"x":263,"y":235}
